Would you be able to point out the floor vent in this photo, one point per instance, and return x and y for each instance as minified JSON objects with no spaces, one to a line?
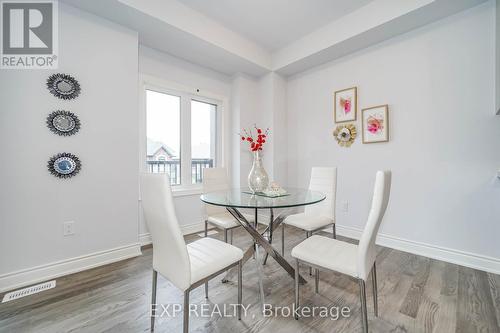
{"x":210,"y":232}
{"x":29,"y":291}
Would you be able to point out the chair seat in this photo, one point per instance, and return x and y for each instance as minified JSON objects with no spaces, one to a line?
{"x":328,"y":253}
{"x":208,"y":255}
{"x":308,"y":222}
{"x":226,"y":221}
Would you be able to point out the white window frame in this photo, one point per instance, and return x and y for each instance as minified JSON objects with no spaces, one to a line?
{"x":186,"y":94}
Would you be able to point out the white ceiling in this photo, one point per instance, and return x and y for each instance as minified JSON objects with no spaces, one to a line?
{"x":299,"y":34}
{"x":274,"y":23}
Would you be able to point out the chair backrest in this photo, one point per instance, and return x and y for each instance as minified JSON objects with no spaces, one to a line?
{"x":366,"y":250}
{"x":170,"y":256}
{"x":323,"y":180}
{"x":215,"y":179}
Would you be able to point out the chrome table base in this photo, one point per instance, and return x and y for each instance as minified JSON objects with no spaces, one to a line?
{"x":259,"y":239}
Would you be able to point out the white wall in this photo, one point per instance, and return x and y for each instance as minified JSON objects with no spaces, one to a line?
{"x":246,"y":111}
{"x":189,"y":208}
{"x":445,"y":141}
{"x":102,"y":199}
{"x":273,"y":115}
{"x":262,"y":102}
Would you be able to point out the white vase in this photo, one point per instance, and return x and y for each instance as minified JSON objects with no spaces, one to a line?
{"x":258,"y":180}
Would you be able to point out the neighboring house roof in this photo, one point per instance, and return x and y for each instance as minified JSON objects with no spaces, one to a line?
{"x":154,"y":146}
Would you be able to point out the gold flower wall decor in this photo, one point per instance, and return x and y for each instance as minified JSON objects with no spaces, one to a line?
{"x":345,"y":134}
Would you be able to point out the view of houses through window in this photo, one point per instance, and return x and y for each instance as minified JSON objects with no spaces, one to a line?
{"x":171,"y":122}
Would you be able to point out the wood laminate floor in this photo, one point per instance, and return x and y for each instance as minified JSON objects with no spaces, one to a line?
{"x":416,"y":294}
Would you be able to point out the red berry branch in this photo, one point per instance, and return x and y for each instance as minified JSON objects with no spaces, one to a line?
{"x":255,"y":143}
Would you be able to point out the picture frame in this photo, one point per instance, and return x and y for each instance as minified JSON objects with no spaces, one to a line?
{"x":375,"y":124}
{"x":345,"y":105}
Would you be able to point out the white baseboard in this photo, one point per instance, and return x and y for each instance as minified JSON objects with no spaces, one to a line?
{"x":53,"y":270}
{"x":193,"y":228}
{"x":18,"y":279}
{"x":453,"y":256}
{"x":472,"y":260}
{"x":145,"y":238}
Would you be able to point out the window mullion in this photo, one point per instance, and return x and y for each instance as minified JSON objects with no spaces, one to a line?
{"x":219,"y":139}
{"x":185,"y":140}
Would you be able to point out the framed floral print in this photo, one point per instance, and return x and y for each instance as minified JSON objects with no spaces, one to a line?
{"x":345,"y":105}
{"x":375,"y":121}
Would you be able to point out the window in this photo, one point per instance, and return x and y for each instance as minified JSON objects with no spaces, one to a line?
{"x":182,"y":133}
{"x":203,"y":138}
{"x":163,"y":134}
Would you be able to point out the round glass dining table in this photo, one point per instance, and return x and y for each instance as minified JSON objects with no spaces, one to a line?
{"x":235,"y":199}
{"x":243,"y":198}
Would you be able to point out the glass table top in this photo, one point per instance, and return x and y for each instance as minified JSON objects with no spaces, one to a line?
{"x":239,"y":198}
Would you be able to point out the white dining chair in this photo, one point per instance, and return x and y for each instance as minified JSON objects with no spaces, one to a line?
{"x":216,"y":179}
{"x":318,"y":216}
{"x":186,"y":266}
{"x":346,"y":258}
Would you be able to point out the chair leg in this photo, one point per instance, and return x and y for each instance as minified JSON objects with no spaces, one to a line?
{"x":153,"y":299}
{"x":308,"y":234}
{"x":186,"y":312}
{"x":271,"y":219}
{"x":334,"y":232}
{"x":362,"y":298}
{"x":296,"y":288}
{"x":231,"y":241}
{"x":206,"y":228}
{"x":256,"y":227}
{"x":283,"y":239}
{"x":316,"y":280}
{"x":224,"y":279}
{"x":240,"y":287}
{"x":374,"y":287}
{"x":206,"y":289}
